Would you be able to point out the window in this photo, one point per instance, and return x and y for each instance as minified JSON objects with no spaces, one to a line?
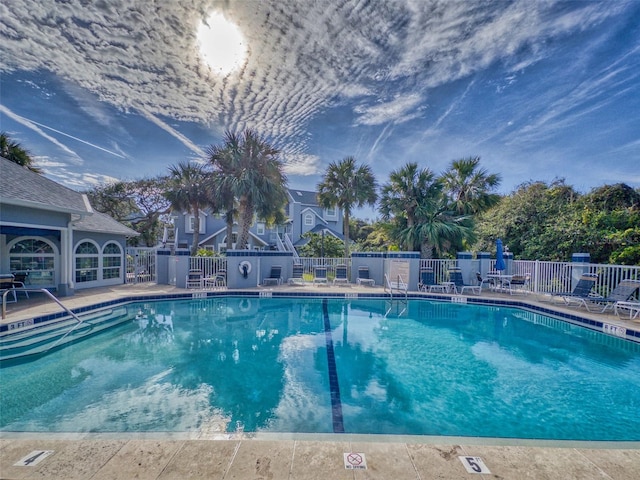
{"x":111,"y":261}
{"x":191,"y":221}
{"x":308,"y":219}
{"x":87,"y":261}
{"x":260,"y":228}
{"x":36,"y":257}
{"x":330,"y":212}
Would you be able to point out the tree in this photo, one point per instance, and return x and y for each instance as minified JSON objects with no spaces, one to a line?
{"x":188,"y":191}
{"x":347,"y":186}
{"x":248,"y":170}
{"x":330,"y":246}
{"x":415,"y":202}
{"x":14,"y":152}
{"x":139,"y":204}
{"x":469,"y":187}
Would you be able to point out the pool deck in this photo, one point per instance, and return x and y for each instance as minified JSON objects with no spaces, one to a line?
{"x":286,"y":456}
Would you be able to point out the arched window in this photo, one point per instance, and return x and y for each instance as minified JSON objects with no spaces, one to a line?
{"x":34,"y":257}
{"x":308,"y":219}
{"x":111,"y":261}
{"x":87,"y":262}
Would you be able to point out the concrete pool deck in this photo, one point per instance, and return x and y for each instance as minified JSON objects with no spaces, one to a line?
{"x":271,"y":456}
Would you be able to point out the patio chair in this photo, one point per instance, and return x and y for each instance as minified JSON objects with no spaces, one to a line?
{"x":194,"y":279}
{"x":489,"y":281}
{"x":581,"y":291}
{"x":341,"y":275}
{"x":428,"y":281}
{"x":621,"y":294}
{"x":275,"y":276}
{"x":217,"y":280}
{"x":519,"y":284}
{"x":455,"y":277}
{"x":297,"y":278}
{"x":320,"y":275}
{"x":364,"y":278}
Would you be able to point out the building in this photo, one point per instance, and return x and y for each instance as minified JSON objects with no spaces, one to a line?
{"x":51,"y":237}
{"x":303,"y":215}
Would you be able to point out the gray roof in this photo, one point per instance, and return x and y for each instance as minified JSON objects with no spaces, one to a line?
{"x":20,"y":186}
{"x":303,"y":196}
{"x":100,"y":222}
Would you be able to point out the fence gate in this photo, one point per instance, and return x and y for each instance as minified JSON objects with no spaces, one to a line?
{"x":141,"y":265}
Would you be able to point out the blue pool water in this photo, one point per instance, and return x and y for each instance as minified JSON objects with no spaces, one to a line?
{"x":332,"y":365}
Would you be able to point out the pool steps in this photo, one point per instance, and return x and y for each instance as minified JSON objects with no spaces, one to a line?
{"x":24,"y":342}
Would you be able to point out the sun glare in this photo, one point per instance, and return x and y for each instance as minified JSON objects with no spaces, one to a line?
{"x":221,"y":44}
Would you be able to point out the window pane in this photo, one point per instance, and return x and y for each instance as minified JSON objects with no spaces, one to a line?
{"x":112,"y":249}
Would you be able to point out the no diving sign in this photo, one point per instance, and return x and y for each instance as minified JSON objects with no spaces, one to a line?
{"x":355,"y":461}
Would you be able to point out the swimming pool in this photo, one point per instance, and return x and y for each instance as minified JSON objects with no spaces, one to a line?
{"x":331,"y":365}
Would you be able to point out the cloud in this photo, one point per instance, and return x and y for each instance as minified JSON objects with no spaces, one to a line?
{"x":35,"y":127}
{"x":304,"y":56}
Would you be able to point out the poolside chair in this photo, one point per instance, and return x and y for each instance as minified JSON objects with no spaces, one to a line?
{"x":364,"y":278}
{"x":297,"y":278}
{"x":455,"y":276}
{"x":217,"y":280}
{"x":519,"y":284}
{"x":194,"y":279}
{"x":275,"y":276}
{"x":320,"y":275}
{"x":481,"y":281}
{"x":581,"y":291}
{"x":341,"y":275}
{"x":428,"y":281}
{"x":622,"y":293}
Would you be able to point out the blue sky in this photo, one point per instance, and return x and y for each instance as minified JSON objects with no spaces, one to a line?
{"x":123,"y":89}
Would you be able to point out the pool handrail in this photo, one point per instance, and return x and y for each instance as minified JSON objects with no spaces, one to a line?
{"x":43,"y":290}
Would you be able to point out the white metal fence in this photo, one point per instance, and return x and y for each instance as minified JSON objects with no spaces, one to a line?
{"x":210,"y":266}
{"x":140,"y":265}
{"x":551,"y":277}
{"x":546,"y":277}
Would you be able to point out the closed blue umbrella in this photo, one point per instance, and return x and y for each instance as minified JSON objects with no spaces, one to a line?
{"x":500,"y":265}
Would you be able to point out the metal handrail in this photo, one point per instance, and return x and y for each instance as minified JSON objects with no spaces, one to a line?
{"x":43,"y":290}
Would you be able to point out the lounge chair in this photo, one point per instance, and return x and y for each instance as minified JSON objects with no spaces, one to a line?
{"x":633,"y":307}
{"x":364,"y":278}
{"x":581,"y":291}
{"x":455,"y":276}
{"x":297,"y":278}
{"x":275,"y":276}
{"x":621,"y":294}
{"x":428,"y":281}
{"x":341,"y":275}
{"x":194,"y":279}
{"x":320,"y":275}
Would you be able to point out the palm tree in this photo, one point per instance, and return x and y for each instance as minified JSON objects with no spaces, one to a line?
{"x":415,"y":201}
{"x":347,"y":186}
{"x":249,"y":171}
{"x":188,"y":191}
{"x":469,"y":187}
{"x":14,"y":152}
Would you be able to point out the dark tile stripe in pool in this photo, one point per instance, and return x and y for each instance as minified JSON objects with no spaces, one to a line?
{"x":334,"y":387}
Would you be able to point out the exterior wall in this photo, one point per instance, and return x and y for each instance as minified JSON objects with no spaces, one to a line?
{"x":210,"y":224}
{"x":16,"y":215}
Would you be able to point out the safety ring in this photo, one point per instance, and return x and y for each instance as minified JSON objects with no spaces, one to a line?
{"x":243,"y":264}
{"x":244,"y":305}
